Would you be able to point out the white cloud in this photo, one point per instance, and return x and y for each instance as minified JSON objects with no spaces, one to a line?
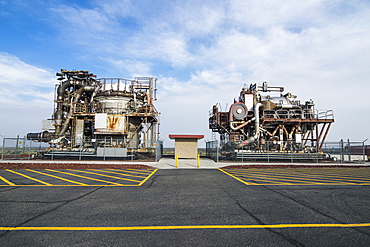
{"x":23,"y":84}
{"x":265,"y":14}
{"x":316,"y":49}
{"x":26,"y":96}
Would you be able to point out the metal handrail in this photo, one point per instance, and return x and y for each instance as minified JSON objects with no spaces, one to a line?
{"x":297,"y":113}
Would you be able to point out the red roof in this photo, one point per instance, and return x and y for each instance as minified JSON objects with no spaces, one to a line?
{"x":186,"y":136}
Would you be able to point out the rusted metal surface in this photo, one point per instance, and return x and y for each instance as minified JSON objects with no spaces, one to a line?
{"x":256,"y":118}
{"x":89,"y":110}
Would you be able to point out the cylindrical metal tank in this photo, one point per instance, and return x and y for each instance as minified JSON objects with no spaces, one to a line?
{"x":114,"y":104}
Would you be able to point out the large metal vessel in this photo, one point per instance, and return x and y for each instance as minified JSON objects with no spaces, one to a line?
{"x":261,"y":123}
{"x":108,"y":117}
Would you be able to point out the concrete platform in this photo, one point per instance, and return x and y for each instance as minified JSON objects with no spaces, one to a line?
{"x":170,"y":163}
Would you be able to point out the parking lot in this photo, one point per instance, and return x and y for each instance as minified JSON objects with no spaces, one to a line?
{"x":203,"y":207}
{"x":74,"y":177}
{"x":302,"y":176}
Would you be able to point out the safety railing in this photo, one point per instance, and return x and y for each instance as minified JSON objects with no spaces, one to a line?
{"x":100,"y":148}
{"x":289,"y":151}
{"x":298,"y":114}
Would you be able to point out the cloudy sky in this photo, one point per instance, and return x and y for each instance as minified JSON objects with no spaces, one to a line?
{"x":202,"y":53}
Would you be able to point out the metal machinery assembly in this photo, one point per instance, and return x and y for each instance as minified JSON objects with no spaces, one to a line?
{"x":257,"y":123}
{"x":108,"y":117}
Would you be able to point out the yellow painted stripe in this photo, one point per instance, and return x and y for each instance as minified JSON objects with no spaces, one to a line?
{"x":240,"y":180}
{"x":151,"y":174}
{"x":119,"y":173}
{"x":70,"y":185}
{"x":64,"y":179}
{"x":103,"y":175}
{"x":7,"y":181}
{"x":103,"y":181}
{"x":285,"y":177}
{"x":317,"y":172}
{"x":302,"y":174}
{"x":268,"y":177}
{"x":349,"y":177}
{"x":297,"y":182}
{"x":34,"y":179}
{"x":185,"y":227}
{"x":146,"y":172}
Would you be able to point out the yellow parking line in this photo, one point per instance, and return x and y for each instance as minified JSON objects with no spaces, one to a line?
{"x":72,"y":185}
{"x":292,"y":177}
{"x":84,"y":177}
{"x":133,"y":171}
{"x":120,"y":173}
{"x":340,"y":173}
{"x":352,"y":176}
{"x":34,"y":179}
{"x":240,"y":180}
{"x":7,"y":181}
{"x":181,"y":227}
{"x":350,"y":179}
{"x":103,"y":175}
{"x":327,"y":173}
{"x":74,"y":182}
{"x":265,"y":180}
{"x":151,"y":174}
{"x":267,"y":177}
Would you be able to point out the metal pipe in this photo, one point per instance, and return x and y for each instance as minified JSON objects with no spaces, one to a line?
{"x":58,"y":115}
{"x":241,"y":125}
{"x":62,"y":88}
{"x":96,"y":90}
{"x":256,"y":125}
{"x":79,"y":92}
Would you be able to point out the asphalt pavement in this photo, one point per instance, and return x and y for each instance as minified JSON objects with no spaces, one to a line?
{"x":186,"y":207}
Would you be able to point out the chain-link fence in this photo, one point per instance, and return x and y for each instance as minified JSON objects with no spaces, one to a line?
{"x":212,"y":150}
{"x":347,"y":151}
{"x":288,"y":151}
{"x":159,"y":150}
{"x":20,"y":148}
{"x":105,"y":148}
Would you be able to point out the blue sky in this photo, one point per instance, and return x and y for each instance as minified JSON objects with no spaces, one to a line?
{"x":202,"y":53}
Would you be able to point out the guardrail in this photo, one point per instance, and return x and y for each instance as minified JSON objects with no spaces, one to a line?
{"x":21,"y":148}
{"x":288,"y":151}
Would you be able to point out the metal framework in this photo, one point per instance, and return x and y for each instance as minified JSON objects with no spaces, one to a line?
{"x":111,"y":113}
{"x":257,"y":122}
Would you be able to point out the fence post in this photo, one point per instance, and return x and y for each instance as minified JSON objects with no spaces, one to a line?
{"x":349,"y":150}
{"x":317,"y":152}
{"x":217,"y":151}
{"x":16,"y":147}
{"x":341,"y":151}
{"x":363,"y":151}
{"x":52,"y":152}
{"x":268,"y":151}
{"x":29,"y":149}
{"x":2,"y":152}
{"x":242,"y":153}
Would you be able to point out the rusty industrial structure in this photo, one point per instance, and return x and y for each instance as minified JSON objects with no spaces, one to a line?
{"x":108,"y":117}
{"x":262,"y":125}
